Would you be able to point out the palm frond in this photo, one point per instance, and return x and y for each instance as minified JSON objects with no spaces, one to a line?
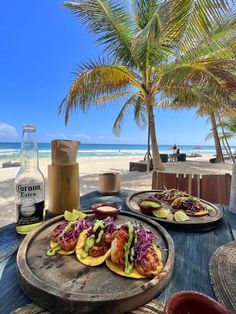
{"x":191,"y":21}
{"x":144,"y":11}
{"x":140,"y":113}
{"x":148,"y":45}
{"x":93,"y":81}
{"x":110,"y":98}
{"x":209,"y":136}
{"x":120,"y":118}
{"x":217,"y":73}
{"x":218,"y":44}
{"x":111,"y":24}
{"x":222,"y":136}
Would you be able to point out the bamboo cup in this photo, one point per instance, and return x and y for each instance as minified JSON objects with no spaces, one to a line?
{"x":63,"y":188}
{"x":109,"y":183}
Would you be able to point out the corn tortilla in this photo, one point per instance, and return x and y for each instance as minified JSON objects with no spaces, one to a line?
{"x":197,"y":214}
{"x":62,"y":252}
{"x":89,"y":260}
{"x":134,"y":274}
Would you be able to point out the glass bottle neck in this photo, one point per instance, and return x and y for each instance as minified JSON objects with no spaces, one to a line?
{"x":29,"y":150}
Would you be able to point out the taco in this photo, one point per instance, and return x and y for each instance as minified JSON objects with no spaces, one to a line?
{"x":94,"y":243}
{"x":169,"y":196}
{"x":133,"y":253}
{"x":65,"y":236}
{"x":192,"y":206}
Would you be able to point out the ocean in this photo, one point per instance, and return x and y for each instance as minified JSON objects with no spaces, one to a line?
{"x":11,"y":151}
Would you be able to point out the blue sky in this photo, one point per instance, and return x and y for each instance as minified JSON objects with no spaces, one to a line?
{"x":41,"y":44}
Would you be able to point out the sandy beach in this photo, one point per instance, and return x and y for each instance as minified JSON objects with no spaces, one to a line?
{"x":90,"y":168}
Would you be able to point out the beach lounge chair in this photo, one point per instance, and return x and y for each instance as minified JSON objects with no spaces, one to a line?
{"x":195,"y":155}
{"x":164,"y":157}
{"x":140,"y":166}
{"x":9,"y":163}
{"x":214,"y":188}
{"x":181,"y":157}
{"x":212,"y":160}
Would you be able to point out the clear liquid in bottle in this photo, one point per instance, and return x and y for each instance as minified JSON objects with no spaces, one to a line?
{"x":29,"y":185}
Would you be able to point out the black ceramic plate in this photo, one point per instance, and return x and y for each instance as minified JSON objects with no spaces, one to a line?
{"x":207,"y":222}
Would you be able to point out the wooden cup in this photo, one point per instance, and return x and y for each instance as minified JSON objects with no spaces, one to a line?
{"x":109,"y":183}
{"x":63,"y":188}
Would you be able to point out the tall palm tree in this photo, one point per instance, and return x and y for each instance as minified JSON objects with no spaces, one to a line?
{"x":151,"y":45}
{"x":207,"y":106}
{"x":227,"y":130}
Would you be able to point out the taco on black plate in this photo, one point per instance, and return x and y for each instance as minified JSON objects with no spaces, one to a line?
{"x":94,"y":243}
{"x":133,"y":253}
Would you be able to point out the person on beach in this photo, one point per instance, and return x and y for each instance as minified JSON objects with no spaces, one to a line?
{"x":174,"y":148}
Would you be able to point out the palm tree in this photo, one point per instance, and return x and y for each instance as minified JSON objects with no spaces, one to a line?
{"x":227,"y":127}
{"x":206,"y":106}
{"x":151,"y":45}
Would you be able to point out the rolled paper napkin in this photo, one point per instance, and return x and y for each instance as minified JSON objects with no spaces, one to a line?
{"x":64,"y":152}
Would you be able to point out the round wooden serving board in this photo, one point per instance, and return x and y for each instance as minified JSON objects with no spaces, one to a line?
{"x":63,"y":284}
{"x":202,"y":223}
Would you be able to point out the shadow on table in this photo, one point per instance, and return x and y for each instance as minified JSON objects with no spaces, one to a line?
{"x":11,"y":296}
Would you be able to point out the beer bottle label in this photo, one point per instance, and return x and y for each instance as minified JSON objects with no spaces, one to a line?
{"x":29,"y":193}
{"x":29,"y":214}
{"x":29,"y":203}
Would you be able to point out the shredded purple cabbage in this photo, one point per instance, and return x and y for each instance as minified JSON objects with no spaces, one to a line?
{"x":144,"y":243}
{"x":74,"y":232}
{"x":110,"y":227}
{"x":59,"y":229}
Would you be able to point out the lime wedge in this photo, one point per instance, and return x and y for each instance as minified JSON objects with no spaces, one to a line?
{"x":80,"y":214}
{"x":181,"y":216}
{"x":161,"y":213}
{"x":74,"y":215}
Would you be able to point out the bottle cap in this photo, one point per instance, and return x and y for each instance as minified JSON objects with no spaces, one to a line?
{"x":29,"y":127}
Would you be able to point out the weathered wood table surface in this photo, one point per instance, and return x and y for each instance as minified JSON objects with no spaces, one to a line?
{"x":192,"y":251}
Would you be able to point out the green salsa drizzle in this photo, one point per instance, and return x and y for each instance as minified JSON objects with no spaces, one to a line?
{"x":88,"y":245}
{"x":99,"y":238}
{"x":57,"y":248}
{"x":128,"y":265}
{"x":98,"y":224}
{"x":54,"y":250}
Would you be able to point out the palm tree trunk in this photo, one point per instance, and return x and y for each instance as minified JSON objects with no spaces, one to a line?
{"x":157,"y":163}
{"x":225,"y":146}
{"x":229,"y":150}
{"x":148,"y":154}
{"x":219,"y":154}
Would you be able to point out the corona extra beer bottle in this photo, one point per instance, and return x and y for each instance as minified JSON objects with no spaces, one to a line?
{"x":29,"y":185}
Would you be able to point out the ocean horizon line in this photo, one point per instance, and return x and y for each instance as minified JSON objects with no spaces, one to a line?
{"x":10,"y":151}
{"x":116,"y":144}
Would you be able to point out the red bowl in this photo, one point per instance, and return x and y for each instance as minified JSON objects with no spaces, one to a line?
{"x":191,"y":302}
{"x":104,"y":210}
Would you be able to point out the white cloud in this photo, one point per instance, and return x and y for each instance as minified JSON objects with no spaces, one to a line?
{"x":82,"y":137}
{"x":63,"y":136}
{"x":7,"y":131}
{"x":101,"y":137}
{"x":51,"y":135}
{"x":123,"y":139}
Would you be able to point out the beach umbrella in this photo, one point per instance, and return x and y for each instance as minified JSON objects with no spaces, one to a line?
{"x":171,"y":148}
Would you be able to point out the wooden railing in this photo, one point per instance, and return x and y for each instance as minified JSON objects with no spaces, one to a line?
{"x":214,"y":188}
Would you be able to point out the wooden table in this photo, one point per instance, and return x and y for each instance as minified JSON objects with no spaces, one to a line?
{"x":193,"y":251}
